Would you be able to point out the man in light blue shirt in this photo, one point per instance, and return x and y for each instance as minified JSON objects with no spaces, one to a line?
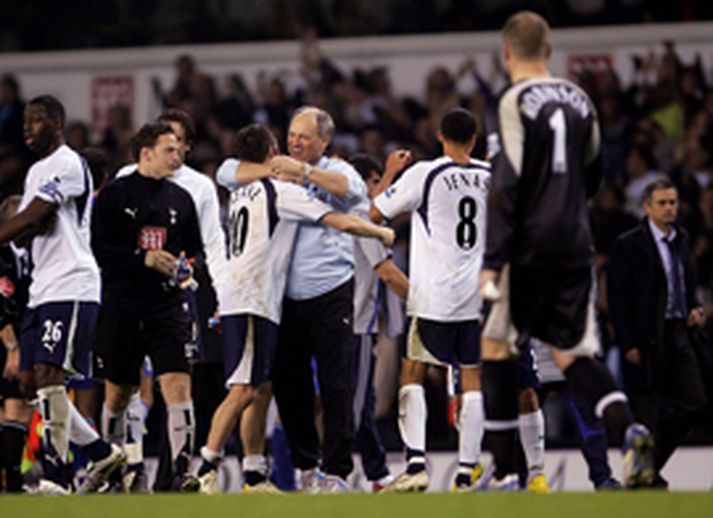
{"x":318,"y":307}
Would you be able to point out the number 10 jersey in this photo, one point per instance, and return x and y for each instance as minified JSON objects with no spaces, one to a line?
{"x":263,"y":217}
{"x":448,"y":201}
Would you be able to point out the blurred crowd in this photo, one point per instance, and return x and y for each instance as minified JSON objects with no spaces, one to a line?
{"x":658,"y":125}
{"x":121,"y":23}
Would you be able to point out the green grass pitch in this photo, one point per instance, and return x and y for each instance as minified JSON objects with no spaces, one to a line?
{"x":517,"y":505}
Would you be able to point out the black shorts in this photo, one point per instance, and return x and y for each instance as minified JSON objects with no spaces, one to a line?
{"x":60,"y":334}
{"x":250,"y":345}
{"x":551,"y":303}
{"x":526,"y":364}
{"x":444,"y":343}
{"x":122,"y":343}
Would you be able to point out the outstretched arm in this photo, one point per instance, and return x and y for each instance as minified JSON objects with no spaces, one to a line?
{"x":358,"y":227}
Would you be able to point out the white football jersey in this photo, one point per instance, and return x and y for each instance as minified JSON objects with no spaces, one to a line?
{"x":368,"y":254}
{"x":64,"y":266}
{"x":448,"y":201}
{"x":263,"y":217}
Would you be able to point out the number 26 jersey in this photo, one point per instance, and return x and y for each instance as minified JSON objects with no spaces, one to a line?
{"x":448,"y":205}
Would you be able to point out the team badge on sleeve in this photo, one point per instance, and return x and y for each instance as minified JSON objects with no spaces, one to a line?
{"x":51,"y":190}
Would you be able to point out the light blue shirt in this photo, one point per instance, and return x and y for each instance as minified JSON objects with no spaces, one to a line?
{"x":225,"y":175}
{"x":665,"y":254}
{"x":323,"y":257}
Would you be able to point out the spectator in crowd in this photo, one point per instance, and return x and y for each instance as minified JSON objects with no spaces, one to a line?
{"x":641,"y":171}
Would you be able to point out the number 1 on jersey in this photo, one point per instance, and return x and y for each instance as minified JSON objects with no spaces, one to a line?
{"x":558,"y":125}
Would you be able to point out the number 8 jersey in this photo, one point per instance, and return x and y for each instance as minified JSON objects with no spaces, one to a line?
{"x":448,"y":204}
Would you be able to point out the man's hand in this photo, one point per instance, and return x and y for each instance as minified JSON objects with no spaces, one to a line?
{"x":397,"y":161}
{"x":161,"y":261}
{"x":695,"y":317}
{"x":488,"y":285}
{"x":387,"y":236}
{"x":288,"y":169}
{"x":633,"y":356}
{"x":12,"y":365}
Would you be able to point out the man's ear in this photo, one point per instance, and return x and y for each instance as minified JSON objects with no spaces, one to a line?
{"x":144,"y":154}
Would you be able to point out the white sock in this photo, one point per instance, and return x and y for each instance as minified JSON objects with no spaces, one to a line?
{"x":211,"y":456}
{"x":136,"y":414}
{"x":532,"y":437}
{"x":255,"y":463}
{"x":412,"y":417}
{"x":181,"y":428}
{"x":472,"y":425}
{"x":80,"y":432}
{"x":113,"y":426}
{"x":54,"y":408}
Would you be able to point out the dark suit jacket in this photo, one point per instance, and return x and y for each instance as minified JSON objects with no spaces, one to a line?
{"x":637,"y":292}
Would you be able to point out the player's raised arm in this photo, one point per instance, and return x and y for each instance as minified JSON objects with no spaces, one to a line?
{"x":396,"y":162}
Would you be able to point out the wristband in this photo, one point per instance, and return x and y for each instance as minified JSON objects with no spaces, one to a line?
{"x":11,"y":346}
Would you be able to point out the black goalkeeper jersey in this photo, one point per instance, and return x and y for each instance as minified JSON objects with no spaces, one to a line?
{"x":132,"y":215}
{"x":545,"y":165}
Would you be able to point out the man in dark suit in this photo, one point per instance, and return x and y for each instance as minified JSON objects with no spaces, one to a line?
{"x":652,"y":305}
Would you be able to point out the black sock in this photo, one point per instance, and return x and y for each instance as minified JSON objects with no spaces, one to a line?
{"x":499,"y":382}
{"x":206,"y":467}
{"x":97,"y":450}
{"x":591,"y":381}
{"x":13,"y":442}
{"x":415,"y":461}
{"x":138,"y":466}
{"x":253,"y":478}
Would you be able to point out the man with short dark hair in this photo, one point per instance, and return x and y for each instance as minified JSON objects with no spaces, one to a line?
{"x":447,"y":199}
{"x":546,"y":164}
{"x":59,"y":324}
{"x":205,"y":197}
{"x":143,"y":224}
{"x":652,"y":303}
